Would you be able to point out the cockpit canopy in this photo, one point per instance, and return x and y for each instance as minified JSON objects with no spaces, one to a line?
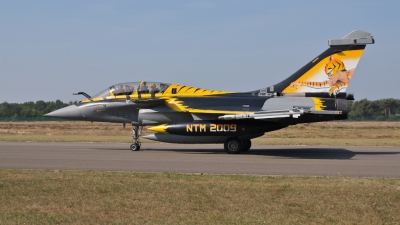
{"x":143,"y":87}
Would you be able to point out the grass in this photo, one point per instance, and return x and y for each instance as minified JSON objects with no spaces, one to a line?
{"x":337,"y":133}
{"x":98,"y":197}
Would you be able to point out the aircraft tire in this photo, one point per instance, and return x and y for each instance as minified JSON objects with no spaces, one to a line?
{"x":246,"y":145}
{"x":233,"y":145}
{"x":135,"y":147}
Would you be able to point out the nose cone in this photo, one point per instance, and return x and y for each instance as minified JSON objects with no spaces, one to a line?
{"x":69,"y":112}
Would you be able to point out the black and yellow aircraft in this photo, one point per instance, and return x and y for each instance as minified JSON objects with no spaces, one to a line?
{"x":183,"y":114}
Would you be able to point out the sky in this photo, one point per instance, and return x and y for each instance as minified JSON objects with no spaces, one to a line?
{"x":50,"y":49}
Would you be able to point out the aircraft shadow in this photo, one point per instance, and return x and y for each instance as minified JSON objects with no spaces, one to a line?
{"x":315,"y":153}
{"x":300,"y":153}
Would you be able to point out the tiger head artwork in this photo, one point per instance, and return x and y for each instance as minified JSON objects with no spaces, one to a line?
{"x":338,"y":77}
{"x":333,"y":66}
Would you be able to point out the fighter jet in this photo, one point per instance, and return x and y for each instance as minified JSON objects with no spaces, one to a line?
{"x":183,"y":114}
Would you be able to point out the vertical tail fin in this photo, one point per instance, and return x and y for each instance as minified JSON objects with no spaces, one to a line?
{"x":330,"y":72}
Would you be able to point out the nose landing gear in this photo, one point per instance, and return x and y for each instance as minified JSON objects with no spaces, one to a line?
{"x":136,"y":132}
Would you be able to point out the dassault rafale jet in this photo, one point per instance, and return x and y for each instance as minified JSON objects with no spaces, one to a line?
{"x":184,"y":114}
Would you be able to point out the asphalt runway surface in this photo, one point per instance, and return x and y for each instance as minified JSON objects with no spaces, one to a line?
{"x":206,"y":159}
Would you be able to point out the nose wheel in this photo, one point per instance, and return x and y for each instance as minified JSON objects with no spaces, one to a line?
{"x":135,"y":147}
{"x":136,"y":132}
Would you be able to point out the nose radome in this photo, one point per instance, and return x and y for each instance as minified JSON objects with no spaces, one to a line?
{"x":69,"y":112}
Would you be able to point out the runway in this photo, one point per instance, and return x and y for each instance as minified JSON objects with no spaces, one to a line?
{"x":207,"y":159}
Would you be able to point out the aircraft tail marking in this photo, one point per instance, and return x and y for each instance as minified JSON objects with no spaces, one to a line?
{"x":331,"y":71}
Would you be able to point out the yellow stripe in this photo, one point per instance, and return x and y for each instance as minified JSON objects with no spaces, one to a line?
{"x":181,"y":91}
{"x":318,"y":104}
{"x":177,"y":105}
{"x":187,"y":91}
{"x":159,"y":129}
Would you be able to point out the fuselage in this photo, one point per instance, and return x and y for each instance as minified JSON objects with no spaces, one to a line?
{"x":175,"y":104}
{"x":184,"y":114}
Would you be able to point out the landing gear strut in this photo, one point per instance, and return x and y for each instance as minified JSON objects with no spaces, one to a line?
{"x":136,"y":132}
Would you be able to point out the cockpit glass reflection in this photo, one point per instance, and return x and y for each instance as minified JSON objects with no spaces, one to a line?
{"x":122,"y":89}
{"x":144,"y":87}
{"x":102,"y":94}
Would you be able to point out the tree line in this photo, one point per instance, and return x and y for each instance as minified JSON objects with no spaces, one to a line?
{"x":383,"y":109}
{"x":30,"y":109}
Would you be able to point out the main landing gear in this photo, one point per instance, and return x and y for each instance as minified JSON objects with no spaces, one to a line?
{"x":137,"y":131}
{"x":234,"y":145}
